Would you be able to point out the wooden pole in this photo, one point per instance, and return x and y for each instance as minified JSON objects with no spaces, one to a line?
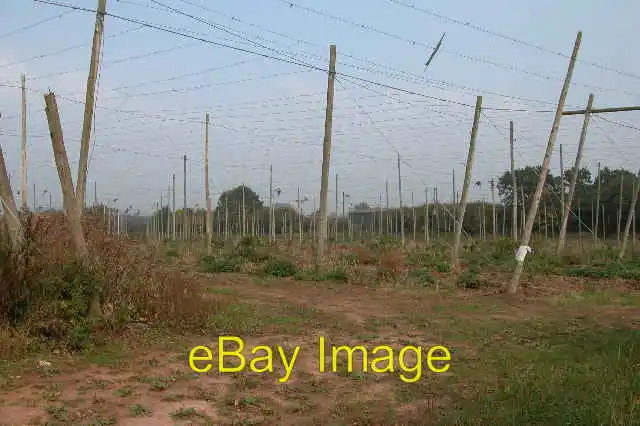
{"x":562,"y":187}
{"x":386,"y":212}
{"x":185,"y":217}
{"x":603,"y":110}
{"x":173,"y":205}
{"x":272,"y":226}
{"x":633,"y":223}
{"x":379,"y":215}
{"x":630,"y":216}
{"x":467,"y":182}
{"x":436,"y":211}
{"x":619,"y":221}
{"x":401,"y":206}
{"x":71,"y":205}
{"x":89,"y":102}
{"x":326,"y":160}
{"x":514,"y":184}
{"x":413,"y":216}
{"x":574,"y":179}
{"x":244,"y":210}
{"x":454,"y":202}
{"x":597,"y":215}
{"x":344,"y":204}
{"x":23,"y":145}
{"x":207,"y":189}
{"x":300,"y":217}
{"x":512,"y":288}
{"x":494,"y":219}
{"x":426,"y":215}
{"x":168,"y":223}
{"x":8,"y":202}
{"x":337,"y":206}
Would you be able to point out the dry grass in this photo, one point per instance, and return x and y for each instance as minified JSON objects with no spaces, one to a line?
{"x":45,"y":294}
{"x":563,"y":352}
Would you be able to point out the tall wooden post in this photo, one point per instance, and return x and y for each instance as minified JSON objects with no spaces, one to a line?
{"x":89,"y":102}
{"x":574,"y":178}
{"x":23,"y":145}
{"x":467,"y":182}
{"x":326,"y":160}
{"x":173,"y":205}
{"x":630,"y":216}
{"x":494,"y":219}
{"x":400,"y":198}
{"x":185,"y":216}
{"x":272,"y":220}
{"x":514,"y":185}
{"x":533,"y":208}
{"x":619,"y":219}
{"x":597,"y":215}
{"x":207,"y":192}
{"x":337,"y":206}
{"x":8,"y":203}
{"x":426,"y":215}
{"x":562,"y":187}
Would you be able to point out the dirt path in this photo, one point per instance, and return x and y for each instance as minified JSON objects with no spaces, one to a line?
{"x":139,"y":385}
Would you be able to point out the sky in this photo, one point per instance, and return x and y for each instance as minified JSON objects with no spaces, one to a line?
{"x":258,"y":68}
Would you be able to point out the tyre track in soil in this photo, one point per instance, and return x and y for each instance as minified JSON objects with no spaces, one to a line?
{"x":361,"y":303}
{"x":355,"y":303}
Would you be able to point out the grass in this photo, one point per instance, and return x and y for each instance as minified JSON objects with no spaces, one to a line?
{"x":565,"y":351}
{"x":556,"y":373}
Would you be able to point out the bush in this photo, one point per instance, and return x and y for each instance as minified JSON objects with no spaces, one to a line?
{"x":469,"y":279}
{"x":45,"y":293}
{"x":280,"y":267}
{"x":250,"y":248}
{"x":422,"y":276}
{"x":215,"y":264}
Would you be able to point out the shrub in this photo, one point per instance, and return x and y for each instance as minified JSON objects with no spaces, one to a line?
{"x":280,"y":267}
{"x":337,"y":274}
{"x":216,"y":264}
{"x":443,"y":268}
{"x":469,"y":279}
{"x":250,"y":248}
{"x":45,"y":293}
{"x":422,"y":276}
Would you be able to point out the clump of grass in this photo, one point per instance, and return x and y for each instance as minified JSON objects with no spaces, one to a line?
{"x":219,"y":264}
{"x":469,"y":279}
{"x":422,"y":277}
{"x":280,"y":267}
{"x":251,"y":249}
{"x":611,"y":270}
{"x":338,"y":274}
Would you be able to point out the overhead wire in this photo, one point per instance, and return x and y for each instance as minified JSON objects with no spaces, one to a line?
{"x":248,"y":51}
{"x":411,"y":42}
{"x":512,"y":39}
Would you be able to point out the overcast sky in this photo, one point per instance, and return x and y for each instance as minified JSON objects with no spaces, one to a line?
{"x":155,"y":88}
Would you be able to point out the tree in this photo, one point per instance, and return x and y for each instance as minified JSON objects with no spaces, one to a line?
{"x":526,"y":180}
{"x":584,"y":188}
{"x":232,"y":199}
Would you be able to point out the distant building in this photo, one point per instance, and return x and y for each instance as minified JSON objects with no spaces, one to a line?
{"x":291,"y":205}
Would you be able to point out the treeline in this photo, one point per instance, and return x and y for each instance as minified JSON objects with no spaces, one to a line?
{"x":241,"y":211}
